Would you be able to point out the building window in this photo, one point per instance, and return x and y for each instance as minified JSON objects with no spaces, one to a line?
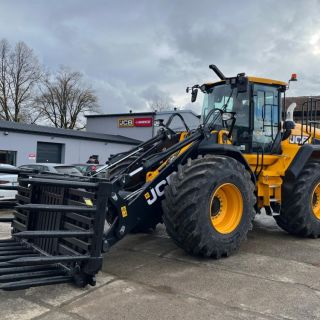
{"x":8,"y":157}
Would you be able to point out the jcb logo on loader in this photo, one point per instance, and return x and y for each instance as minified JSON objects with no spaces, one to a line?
{"x":298,"y":139}
{"x":156,"y":192}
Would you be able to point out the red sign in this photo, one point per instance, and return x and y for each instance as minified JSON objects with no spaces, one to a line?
{"x":32,"y":156}
{"x":143,"y":122}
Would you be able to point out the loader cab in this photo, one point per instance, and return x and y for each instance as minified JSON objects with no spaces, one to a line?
{"x":256,"y":105}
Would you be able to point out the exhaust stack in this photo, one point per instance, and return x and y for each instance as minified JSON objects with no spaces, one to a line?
{"x":217,"y":71}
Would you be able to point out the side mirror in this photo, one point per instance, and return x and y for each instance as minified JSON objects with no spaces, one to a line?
{"x":194,"y":94}
{"x":288,"y":126}
{"x":242,"y":83}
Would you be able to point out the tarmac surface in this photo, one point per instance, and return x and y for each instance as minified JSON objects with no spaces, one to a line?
{"x":145,"y":276}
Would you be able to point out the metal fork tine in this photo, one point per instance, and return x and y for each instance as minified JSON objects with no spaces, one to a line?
{"x":30,"y":275}
{"x":17,"y":251}
{"x":8,"y":269}
{"x":25,"y":284}
{"x":16,"y":256}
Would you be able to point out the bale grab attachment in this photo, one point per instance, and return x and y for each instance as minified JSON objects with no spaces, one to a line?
{"x":57,"y":232}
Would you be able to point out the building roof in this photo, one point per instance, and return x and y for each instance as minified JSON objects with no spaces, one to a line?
{"x":128,"y":114}
{"x":138,"y":114}
{"x":176,"y":111}
{"x":66,"y":133}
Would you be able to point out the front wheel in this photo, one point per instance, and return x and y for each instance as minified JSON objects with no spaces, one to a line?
{"x":209,"y":206}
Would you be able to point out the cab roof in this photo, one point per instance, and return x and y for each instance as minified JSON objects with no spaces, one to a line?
{"x":257,"y":80}
{"x":266,"y":81}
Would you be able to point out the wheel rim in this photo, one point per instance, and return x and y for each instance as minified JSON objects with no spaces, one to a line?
{"x":226,"y":207}
{"x":315,"y":201}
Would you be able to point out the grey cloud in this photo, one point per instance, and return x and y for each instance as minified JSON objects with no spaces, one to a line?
{"x":153,"y":94}
{"x":127,"y":48}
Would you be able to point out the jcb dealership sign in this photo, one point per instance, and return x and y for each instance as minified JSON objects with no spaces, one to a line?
{"x":134,"y":122}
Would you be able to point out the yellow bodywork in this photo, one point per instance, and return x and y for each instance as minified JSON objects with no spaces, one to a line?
{"x":267,"y":81}
{"x":274,"y":166}
{"x":152,"y":174}
{"x":222,"y":139}
{"x":256,"y":80}
{"x":271,"y":171}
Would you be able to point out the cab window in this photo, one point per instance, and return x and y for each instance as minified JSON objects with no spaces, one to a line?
{"x":224,"y":97}
{"x":266,"y":117}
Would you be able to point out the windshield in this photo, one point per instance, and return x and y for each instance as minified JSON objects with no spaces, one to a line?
{"x":224,"y":97}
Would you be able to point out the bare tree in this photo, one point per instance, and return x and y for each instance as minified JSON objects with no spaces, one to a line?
{"x":157,"y":103}
{"x":64,"y":100}
{"x":157,"y":99}
{"x":20,"y":72}
{"x":4,"y":79}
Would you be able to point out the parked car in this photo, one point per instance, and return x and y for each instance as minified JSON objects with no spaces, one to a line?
{"x":8,"y":179}
{"x":53,"y":168}
{"x":87,"y":169}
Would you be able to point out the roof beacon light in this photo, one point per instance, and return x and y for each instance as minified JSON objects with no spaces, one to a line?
{"x":294,"y":77}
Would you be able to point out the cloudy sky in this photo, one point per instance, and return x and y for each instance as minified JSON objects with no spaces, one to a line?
{"x":132,"y":50}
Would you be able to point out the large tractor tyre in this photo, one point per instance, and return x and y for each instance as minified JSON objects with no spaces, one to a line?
{"x":300,"y":209}
{"x":209,"y":206}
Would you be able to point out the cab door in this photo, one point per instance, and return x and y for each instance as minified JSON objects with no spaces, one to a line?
{"x":266,"y":118}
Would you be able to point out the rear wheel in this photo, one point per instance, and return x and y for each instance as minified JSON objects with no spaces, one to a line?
{"x":300,"y":208}
{"x":209,"y":206}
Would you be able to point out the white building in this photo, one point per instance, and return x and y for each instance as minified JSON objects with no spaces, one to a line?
{"x":141,"y":125}
{"x":24,"y":144}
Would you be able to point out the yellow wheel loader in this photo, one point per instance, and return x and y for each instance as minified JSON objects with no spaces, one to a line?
{"x":205,"y":185}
